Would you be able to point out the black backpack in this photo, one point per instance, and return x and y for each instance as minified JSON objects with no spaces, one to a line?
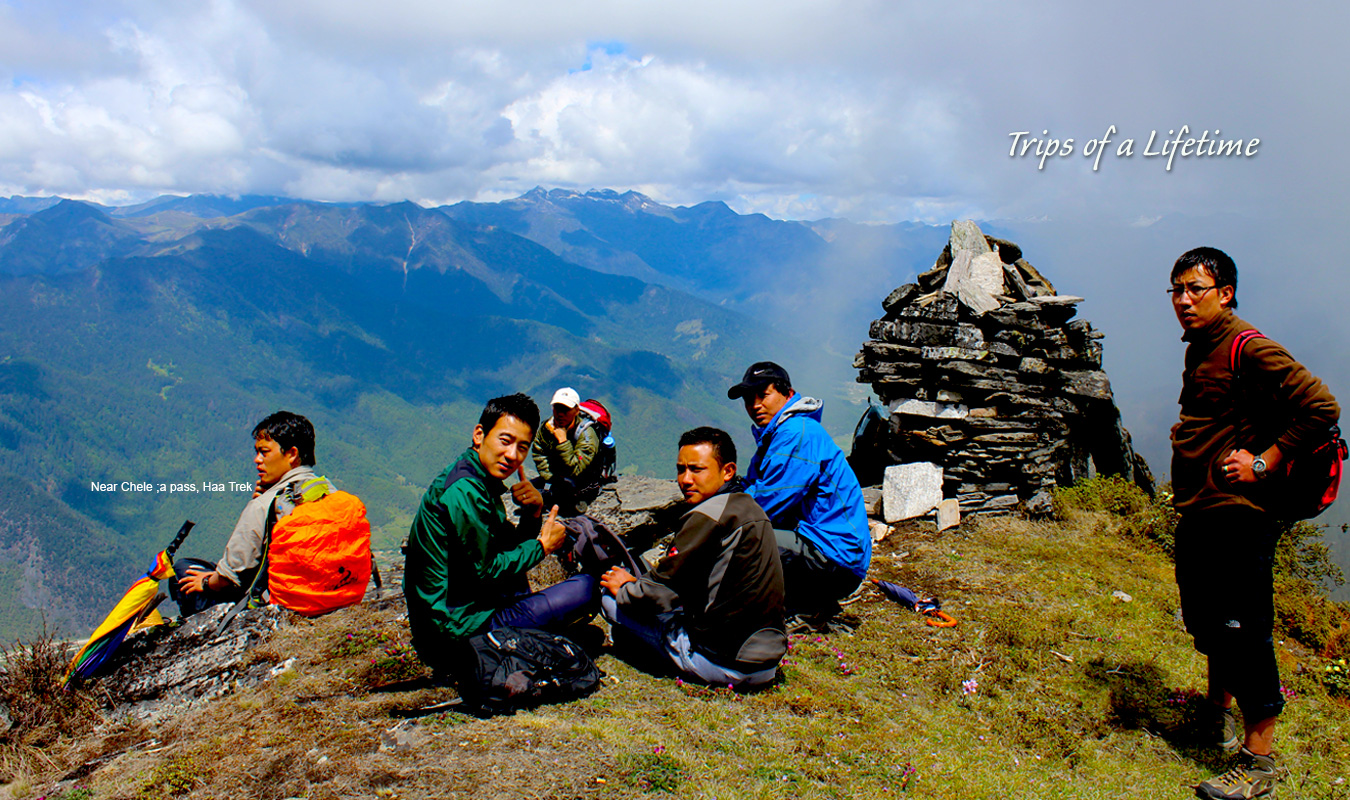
{"x":871,"y":454}
{"x":507,"y":669}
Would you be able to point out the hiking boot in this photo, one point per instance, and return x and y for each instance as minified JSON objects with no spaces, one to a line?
{"x":1254,"y":776}
{"x":1223,"y":730}
{"x":826,"y":622}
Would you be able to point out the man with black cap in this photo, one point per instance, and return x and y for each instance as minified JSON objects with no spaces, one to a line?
{"x":802,"y":480}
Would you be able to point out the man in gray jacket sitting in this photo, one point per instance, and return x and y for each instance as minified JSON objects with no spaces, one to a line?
{"x":713,"y":605}
{"x":283,"y":446}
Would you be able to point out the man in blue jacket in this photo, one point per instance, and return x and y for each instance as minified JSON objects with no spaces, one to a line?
{"x":802,"y":480}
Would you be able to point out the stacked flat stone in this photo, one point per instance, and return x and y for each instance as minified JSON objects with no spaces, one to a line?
{"x":988,"y":375}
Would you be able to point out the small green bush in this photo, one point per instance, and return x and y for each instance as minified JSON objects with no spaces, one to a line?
{"x":1155,"y":523}
{"x":395,"y":662}
{"x":1110,"y":493}
{"x":1147,"y":519}
{"x":1302,"y":553}
{"x":357,"y":642}
{"x":656,"y":771}
{"x":1303,"y":612}
{"x":173,"y":778}
{"x":1336,"y":677}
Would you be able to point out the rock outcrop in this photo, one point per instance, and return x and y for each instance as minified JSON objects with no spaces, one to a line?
{"x":986,"y":374}
{"x":165,"y":669}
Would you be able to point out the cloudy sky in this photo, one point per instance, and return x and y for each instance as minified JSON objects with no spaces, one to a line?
{"x":880,"y":110}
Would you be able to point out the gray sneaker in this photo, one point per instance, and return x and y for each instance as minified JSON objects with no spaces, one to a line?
{"x":1254,"y":776}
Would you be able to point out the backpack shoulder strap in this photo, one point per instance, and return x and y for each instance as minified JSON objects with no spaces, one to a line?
{"x":254,"y":586}
{"x":1239,"y":342}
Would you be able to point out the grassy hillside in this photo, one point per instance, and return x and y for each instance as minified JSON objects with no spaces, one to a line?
{"x":1049,"y":687}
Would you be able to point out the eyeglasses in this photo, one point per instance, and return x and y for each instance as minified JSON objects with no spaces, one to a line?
{"x":1193,"y":292}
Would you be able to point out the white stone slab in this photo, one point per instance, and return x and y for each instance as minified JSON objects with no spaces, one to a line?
{"x":959,"y":271}
{"x":929,"y":408}
{"x":986,"y":272}
{"x":948,"y":514}
{"x":966,"y":235}
{"x":911,"y":490}
{"x":970,"y":289}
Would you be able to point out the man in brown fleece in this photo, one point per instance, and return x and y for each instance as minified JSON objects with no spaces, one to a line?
{"x":712,"y":607}
{"x":1228,"y":452}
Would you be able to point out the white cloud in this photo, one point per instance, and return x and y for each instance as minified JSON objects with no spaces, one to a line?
{"x":875,"y":110}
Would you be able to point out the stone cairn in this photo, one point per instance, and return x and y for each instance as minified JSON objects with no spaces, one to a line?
{"x":991,"y":384}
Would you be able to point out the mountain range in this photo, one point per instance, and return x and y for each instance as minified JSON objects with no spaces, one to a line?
{"x":139,"y":345}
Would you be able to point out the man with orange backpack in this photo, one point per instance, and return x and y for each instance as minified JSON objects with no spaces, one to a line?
{"x":284,"y":456}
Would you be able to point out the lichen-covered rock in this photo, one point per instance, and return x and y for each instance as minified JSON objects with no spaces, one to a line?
{"x":638,"y":508}
{"x":911,"y":490}
{"x":165,"y":668}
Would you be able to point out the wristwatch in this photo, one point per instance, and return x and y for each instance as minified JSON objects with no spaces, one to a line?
{"x":1259,"y":467}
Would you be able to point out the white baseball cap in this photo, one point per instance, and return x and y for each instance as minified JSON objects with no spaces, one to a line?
{"x":566,"y":396}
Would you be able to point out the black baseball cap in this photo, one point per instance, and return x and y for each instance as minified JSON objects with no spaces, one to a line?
{"x":760,"y":374}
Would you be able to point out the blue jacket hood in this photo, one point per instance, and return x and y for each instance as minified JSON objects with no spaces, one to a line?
{"x":798,"y":405}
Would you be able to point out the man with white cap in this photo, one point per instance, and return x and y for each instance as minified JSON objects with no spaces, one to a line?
{"x":564,"y":451}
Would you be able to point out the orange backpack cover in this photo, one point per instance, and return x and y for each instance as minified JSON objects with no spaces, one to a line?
{"x":319,"y":558}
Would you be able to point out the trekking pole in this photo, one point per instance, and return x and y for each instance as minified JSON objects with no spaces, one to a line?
{"x":178,"y":539}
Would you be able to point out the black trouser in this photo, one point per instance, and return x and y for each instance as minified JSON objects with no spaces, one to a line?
{"x":189,"y":604}
{"x":1224,"y":560}
{"x":812,"y":583}
{"x":565,"y":494}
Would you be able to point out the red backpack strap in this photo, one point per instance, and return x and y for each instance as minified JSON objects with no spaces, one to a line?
{"x":1240,"y":341}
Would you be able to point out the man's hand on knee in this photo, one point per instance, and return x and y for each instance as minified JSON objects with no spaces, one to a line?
{"x":615,"y":577}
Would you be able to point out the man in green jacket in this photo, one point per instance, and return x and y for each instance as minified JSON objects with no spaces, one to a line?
{"x":466,"y":564}
{"x":565,"y":452}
